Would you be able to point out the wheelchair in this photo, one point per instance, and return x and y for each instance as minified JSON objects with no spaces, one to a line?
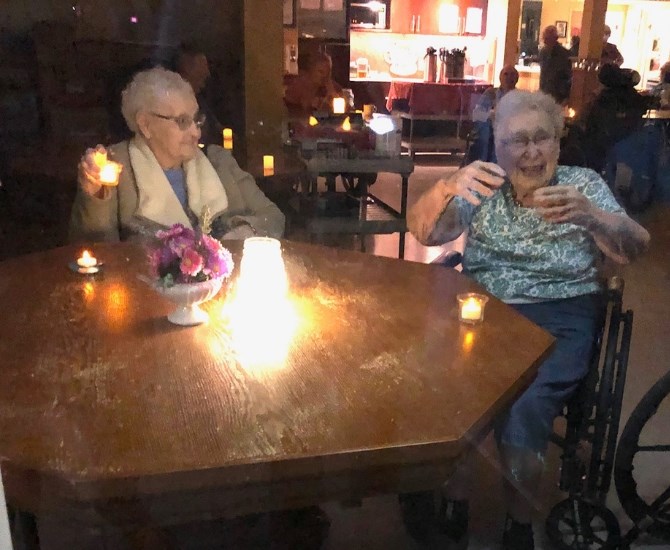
{"x":583,"y":521}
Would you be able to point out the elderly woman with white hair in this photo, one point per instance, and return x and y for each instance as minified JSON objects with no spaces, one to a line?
{"x":166,"y":178}
{"x":536,"y":233}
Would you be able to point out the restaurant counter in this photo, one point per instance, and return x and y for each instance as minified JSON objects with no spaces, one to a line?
{"x":529,"y":77}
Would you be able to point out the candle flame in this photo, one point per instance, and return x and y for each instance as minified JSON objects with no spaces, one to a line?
{"x":346,"y":125}
{"x":313,"y":121}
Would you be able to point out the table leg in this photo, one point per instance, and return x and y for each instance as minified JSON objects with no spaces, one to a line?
{"x":403,"y":215}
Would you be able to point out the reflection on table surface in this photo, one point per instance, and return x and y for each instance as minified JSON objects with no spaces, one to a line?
{"x":377,"y":386}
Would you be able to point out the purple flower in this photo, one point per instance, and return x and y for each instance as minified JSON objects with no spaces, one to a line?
{"x":180,"y":255}
{"x":219,"y":264}
{"x":191,"y":262}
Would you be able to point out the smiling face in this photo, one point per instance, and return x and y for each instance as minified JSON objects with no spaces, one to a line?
{"x":527,"y":149}
{"x":171,"y":145}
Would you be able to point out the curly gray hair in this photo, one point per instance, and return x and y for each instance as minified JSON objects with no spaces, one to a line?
{"x":147,"y":88}
{"x":518,"y":101}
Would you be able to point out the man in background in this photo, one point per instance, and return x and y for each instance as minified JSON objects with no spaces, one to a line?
{"x":192,"y":65}
{"x":611,"y":53}
{"x":555,"y":66}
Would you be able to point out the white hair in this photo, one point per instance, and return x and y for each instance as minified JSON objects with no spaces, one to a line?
{"x":516,"y":102}
{"x":147,"y":88}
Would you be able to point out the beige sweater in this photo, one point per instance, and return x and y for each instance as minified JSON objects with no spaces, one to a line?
{"x":115,"y":217}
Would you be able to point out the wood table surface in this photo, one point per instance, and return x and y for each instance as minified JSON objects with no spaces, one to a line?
{"x":380,"y":390}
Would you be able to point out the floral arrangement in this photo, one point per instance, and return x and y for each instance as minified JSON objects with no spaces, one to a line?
{"x":181,"y":255}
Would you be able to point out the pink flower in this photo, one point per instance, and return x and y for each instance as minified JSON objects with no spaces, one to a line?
{"x":191,"y":262}
{"x":174,"y":231}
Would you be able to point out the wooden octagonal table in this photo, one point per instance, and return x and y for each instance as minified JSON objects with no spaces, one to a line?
{"x":366,"y":384}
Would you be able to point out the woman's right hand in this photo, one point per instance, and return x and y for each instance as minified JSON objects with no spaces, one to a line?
{"x":89,"y":172}
{"x":482,"y":177}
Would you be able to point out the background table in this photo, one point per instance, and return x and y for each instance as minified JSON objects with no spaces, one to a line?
{"x":435,"y":102}
{"x":106,"y":409}
{"x":369,"y":215}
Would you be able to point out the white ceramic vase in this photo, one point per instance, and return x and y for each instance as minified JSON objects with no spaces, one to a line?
{"x":187,"y":297}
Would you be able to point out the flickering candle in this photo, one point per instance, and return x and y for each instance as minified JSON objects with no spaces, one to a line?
{"x":227,"y":138}
{"x":339,"y":105}
{"x":268,"y":165}
{"x":346,"y":125}
{"x":471,"y":307}
{"x":109,"y":173}
{"x":86,"y":260}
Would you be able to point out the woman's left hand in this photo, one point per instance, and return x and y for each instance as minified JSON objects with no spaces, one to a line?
{"x":563,"y":204}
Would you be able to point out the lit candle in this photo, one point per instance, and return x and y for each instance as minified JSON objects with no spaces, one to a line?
{"x":571,"y":113}
{"x":346,"y":125}
{"x":109,"y":173}
{"x":227,"y":138}
{"x":86,"y":260}
{"x":268,"y":165}
{"x":313,"y":121}
{"x":471,"y":307}
{"x":339,"y":105}
{"x":100,"y":158}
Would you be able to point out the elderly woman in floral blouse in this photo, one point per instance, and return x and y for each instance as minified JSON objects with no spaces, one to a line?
{"x":536,"y":233}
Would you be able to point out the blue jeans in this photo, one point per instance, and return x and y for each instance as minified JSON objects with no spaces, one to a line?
{"x":574,"y":322}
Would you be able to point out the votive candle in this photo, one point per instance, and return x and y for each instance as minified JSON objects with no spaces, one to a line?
{"x":339,"y":105}
{"x":268,"y":165}
{"x":86,"y":260}
{"x":471,"y":307}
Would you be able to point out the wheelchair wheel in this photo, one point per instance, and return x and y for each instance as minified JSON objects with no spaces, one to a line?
{"x":575,"y":524}
{"x":646,"y":503}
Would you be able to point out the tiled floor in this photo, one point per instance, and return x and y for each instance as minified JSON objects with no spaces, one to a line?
{"x":376,"y":524}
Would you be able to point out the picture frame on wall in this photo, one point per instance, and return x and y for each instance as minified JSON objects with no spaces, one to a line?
{"x":289,"y":13}
{"x":562,"y":28}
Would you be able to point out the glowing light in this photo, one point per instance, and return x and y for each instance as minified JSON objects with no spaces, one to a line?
{"x":268,"y":169}
{"x":134,"y":19}
{"x":468,"y":340}
{"x":313,"y":121}
{"x":109,"y":173}
{"x":262,"y":318}
{"x":339,"y":105}
{"x":571,"y":112}
{"x":471,"y":307}
{"x":346,"y":125}
{"x":87,"y":260}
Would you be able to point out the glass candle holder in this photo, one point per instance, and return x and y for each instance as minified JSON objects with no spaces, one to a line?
{"x":262,"y":271}
{"x":109,"y":173}
{"x":471,"y":307}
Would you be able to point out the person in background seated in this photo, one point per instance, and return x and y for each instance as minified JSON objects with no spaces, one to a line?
{"x":166,"y":178}
{"x":611,"y":53}
{"x":555,"y":66}
{"x":662,"y":90}
{"x":193,"y":66}
{"x":536,"y":233}
{"x":615,"y":113}
{"x":509,"y":77}
{"x":314,"y":89}
{"x":482,"y":143}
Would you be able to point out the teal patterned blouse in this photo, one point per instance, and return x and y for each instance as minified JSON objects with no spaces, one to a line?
{"x":521,"y":258}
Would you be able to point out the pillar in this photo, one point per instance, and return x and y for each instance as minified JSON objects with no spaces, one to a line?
{"x":511,"y":52}
{"x":263,"y":78}
{"x":585,"y":80}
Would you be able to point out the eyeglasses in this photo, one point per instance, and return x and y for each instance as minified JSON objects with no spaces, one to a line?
{"x":520,"y":143}
{"x":184,"y":122}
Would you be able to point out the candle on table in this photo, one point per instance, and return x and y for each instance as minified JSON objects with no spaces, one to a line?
{"x":86,"y":260}
{"x":471,"y":307}
{"x":339,"y":105}
{"x":268,"y":165}
{"x":227,"y":138}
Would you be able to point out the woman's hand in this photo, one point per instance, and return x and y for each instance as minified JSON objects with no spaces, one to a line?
{"x":481,"y":177}
{"x":89,"y":172}
{"x":563,"y":204}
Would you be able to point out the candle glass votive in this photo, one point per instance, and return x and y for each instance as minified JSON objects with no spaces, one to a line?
{"x":471,"y":307}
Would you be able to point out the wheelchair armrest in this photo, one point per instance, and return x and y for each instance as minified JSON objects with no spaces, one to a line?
{"x":450,"y":258}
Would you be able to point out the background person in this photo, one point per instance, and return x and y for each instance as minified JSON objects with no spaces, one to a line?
{"x":536,"y":233}
{"x":555,"y":66}
{"x":314,"y":88}
{"x":610,"y":53}
{"x":192,"y":65}
{"x":166,"y":178}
